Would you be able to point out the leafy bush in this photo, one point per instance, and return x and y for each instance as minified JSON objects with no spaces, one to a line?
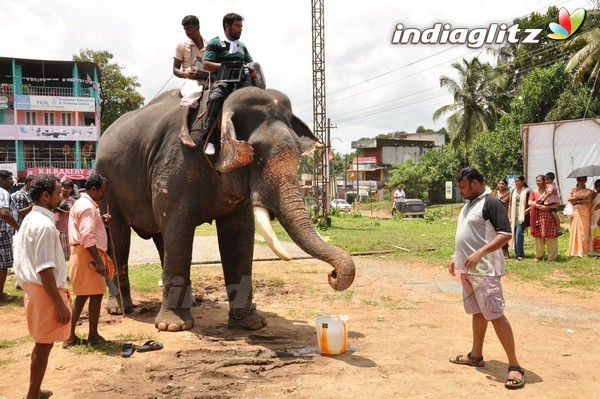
{"x":431,"y":215}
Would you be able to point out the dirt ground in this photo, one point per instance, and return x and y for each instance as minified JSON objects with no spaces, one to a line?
{"x":406,"y":320}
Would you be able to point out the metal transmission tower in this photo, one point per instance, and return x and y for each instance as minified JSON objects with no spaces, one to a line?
{"x":319,"y":115}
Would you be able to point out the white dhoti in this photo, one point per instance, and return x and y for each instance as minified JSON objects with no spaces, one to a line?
{"x":191,"y":91}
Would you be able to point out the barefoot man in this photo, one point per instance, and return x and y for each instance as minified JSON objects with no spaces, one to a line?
{"x":89,"y":242}
{"x":42,"y":273}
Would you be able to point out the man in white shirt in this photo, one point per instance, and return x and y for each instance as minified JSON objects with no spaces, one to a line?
{"x":399,"y":197}
{"x":41,"y":270}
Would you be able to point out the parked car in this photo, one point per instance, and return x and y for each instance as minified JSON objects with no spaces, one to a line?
{"x":341,"y":204}
{"x":410,"y":207}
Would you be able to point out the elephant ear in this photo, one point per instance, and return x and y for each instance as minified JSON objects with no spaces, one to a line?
{"x":234,"y":153}
{"x":308,"y":141}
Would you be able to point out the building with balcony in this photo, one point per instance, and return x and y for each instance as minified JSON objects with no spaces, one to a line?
{"x":49,"y":117}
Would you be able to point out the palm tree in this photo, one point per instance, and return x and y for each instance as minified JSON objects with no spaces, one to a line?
{"x":474,"y":110}
{"x":586,"y":61}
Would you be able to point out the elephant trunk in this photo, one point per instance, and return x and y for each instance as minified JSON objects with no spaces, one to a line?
{"x":293,"y":217}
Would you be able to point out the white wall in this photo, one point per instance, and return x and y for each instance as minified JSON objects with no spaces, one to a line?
{"x":572,"y":144}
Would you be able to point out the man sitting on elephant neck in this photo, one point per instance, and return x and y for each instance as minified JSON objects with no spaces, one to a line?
{"x":194,"y":80}
{"x":218,"y":51}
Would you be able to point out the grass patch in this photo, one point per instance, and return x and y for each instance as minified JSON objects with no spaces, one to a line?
{"x":7,"y":360}
{"x":145,"y":277}
{"x":111,"y":348}
{"x":9,"y":343}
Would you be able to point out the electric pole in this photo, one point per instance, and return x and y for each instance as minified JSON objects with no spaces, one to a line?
{"x":319,"y":114}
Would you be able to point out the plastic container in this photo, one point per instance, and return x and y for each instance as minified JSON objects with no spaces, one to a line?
{"x":332,"y":334}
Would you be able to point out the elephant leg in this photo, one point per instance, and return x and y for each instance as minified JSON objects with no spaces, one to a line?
{"x":160,"y":247}
{"x":175,"y":313}
{"x":120,"y":235}
{"x":236,"y":245}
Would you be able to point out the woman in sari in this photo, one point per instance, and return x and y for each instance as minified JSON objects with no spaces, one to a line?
{"x":579,"y":239}
{"x":518,"y":213}
{"x":543,"y":225}
{"x":595,"y":230}
{"x":503,"y":195}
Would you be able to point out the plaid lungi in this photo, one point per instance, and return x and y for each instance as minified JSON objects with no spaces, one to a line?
{"x":6,"y":249}
{"x":64,"y":243}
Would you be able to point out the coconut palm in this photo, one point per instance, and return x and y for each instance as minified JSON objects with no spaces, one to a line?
{"x":586,"y":62}
{"x":474,"y":110}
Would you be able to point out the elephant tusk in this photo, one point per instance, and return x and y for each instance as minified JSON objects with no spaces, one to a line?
{"x":266,"y":230}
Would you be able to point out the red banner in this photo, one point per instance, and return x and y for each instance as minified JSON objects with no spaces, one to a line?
{"x":73,"y":174}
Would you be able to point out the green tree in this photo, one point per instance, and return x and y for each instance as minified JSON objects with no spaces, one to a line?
{"x":539,"y":94}
{"x":586,"y":62}
{"x":498,"y":153}
{"x":474,"y":111}
{"x":428,"y":175}
{"x":421,"y":129}
{"x":516,"y":60}
{"x":118,"y":92}
{"x":575,"y":103}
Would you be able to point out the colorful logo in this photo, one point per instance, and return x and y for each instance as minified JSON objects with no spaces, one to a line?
{"x":567,"y":24}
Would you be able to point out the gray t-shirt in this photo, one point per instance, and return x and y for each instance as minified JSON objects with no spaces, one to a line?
{"x":479,"y":221}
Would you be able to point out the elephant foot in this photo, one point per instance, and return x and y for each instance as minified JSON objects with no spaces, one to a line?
{"x":248,"y":320}
{"x":114,"y":307}
{"x":174,"y":320}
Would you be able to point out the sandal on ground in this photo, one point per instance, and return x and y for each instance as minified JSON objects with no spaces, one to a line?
{"x":150,"y":345}
{"x":127,"y":350}
{"x":8,"y":298}
{"x":76,"y":341}
{"x":45,"y":394}
{"x":469,"y":361}
{"x":515,"y":383}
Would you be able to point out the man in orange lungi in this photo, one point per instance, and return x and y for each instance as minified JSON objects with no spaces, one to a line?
{"x":42,"y":273}
{"x":89,"y":262}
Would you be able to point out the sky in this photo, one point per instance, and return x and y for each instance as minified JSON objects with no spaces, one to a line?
{"x":372,"y":85}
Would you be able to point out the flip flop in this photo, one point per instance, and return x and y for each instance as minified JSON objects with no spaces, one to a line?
{"x":127,"y":350}
{"x":150,"y":345}
{"x":76,"y":341}
{"x":8,"y":298}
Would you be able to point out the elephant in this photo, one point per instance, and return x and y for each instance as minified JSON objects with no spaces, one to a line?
{"x":163,"y":190}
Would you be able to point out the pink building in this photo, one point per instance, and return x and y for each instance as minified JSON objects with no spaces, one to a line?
{"x":49,"y":117}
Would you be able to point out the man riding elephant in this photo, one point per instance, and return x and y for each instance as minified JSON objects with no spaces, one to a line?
{"x":219,"y":51}
{"x":194,"y":80}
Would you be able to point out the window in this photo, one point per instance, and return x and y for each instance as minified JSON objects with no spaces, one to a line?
{"x":66,"y":119}
{"x":7,"y":152}
{"x":49,"y":118}
{"x":30,"y":118}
